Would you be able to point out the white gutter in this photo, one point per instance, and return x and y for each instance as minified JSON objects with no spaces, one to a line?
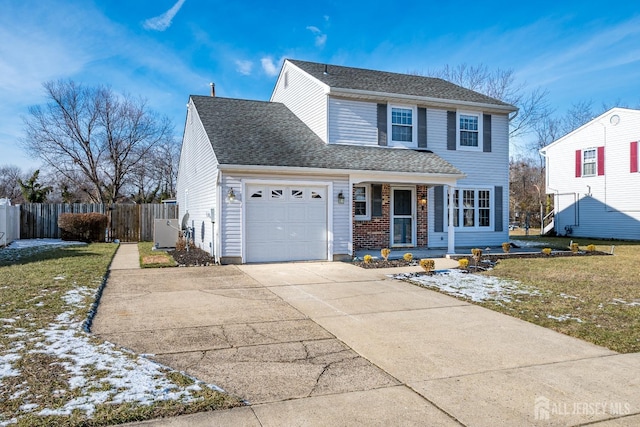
{"x":368,"y":174}
{"x":420,"y":99}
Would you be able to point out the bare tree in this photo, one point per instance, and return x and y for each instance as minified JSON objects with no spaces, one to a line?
{"x":93,"y":133}
{"x":9,"y":187}
{"x":532,"y":106}
{"x":526,"y":191}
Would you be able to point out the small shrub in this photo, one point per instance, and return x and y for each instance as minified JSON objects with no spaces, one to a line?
{"x":476,"y":252}
{"x":385,"y":253}
{"x":408,"y":257}
{"x":428,"y":265}
{"x":591,"y":248}
{"x":546,"y":251}
{"x":463,"y":263}
{"x":181,"y":244}
{"x":506,"y":247}
{"x":84,"y":227}
{"x":367,"y":259}
{"x":574,"y":247}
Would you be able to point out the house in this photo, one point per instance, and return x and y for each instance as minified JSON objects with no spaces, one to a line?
{"x":592,"y":174}
{"x":342,"y":159}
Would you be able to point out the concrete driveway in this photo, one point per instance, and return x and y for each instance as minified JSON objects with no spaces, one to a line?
{"x":333,"y":344}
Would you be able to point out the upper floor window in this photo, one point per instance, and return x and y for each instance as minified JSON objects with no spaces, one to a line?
{"x":469,"y":130}
{"x":403,"y":126}
{"x":589,"y":162}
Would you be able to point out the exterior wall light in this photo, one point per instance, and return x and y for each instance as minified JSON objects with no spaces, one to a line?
{"x":423,"y":203}
{"x":341,"y":198}
{"x":231,"y":196}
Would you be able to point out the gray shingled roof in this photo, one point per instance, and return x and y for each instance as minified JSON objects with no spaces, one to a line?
{"x":258,"y":133}
{"x":384,"y":82}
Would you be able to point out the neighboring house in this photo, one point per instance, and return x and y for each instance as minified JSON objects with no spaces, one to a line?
{"x":592,"y":174}
{"x":342,"y":159}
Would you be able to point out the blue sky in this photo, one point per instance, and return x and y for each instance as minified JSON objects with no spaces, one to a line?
{"x":165,"y":50}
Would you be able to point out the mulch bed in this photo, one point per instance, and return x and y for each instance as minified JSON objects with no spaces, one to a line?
{"x":490,"y":259}
{"x":194,"y":257}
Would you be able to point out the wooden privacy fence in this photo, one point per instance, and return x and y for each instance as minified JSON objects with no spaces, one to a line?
{"x":127,"y":223}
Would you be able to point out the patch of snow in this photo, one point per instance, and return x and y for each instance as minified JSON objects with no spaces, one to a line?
{"x":471,"y":286}
{"x":58,"y":278}
{"x":618,"y":301}
{"x":131,"y":378}
{"x":529,"y":243}
{"x":6,"y":367}
{"x":31,"y":243}
{"x":564,"y":318}
{"x":8,"y":320}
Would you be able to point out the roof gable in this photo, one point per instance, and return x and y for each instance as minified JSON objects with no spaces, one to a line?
{"x":359,"y":79}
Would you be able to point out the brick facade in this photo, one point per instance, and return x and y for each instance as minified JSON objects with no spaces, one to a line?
{"x":375,"y":233}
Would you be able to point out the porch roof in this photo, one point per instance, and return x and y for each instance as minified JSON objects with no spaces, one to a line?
{"x":262,"y":134}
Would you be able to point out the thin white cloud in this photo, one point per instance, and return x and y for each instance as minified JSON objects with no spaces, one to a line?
{"x":244,"y":67}
{"x":269,"y":66}
{"x":321,"y":38}
{"x":162,"y":22}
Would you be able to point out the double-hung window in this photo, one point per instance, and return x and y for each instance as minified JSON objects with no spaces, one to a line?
{"x":403,"y":126}
{"x":469,"y":131}
{"x":362,"y":207}
{"x":589,"y":162}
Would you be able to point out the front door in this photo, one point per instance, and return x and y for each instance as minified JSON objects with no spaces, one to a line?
{"x":402,"y":216}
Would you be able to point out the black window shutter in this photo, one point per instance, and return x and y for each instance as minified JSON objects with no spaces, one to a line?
{"x":451,"y":130}
{"x":438,"y":201}
{"x":382,"y":124}
{"x":422,"y":127}
{"x":498,"y":208}
{"x":376,"y":200}
{"x":486,"y":133}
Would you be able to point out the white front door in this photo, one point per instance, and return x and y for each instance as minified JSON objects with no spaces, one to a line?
{"x":403,"y":214}
{"x":286,"y":223}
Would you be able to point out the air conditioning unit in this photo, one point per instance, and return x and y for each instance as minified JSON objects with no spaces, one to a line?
{"x":165,"y":232}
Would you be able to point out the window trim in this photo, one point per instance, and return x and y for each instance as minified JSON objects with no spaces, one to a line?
{"x":414,"y":126}
{"x":476,"y":209}
{"x":593,"y":161}
{"x":367,"y":201}
{"x":479,"y":115}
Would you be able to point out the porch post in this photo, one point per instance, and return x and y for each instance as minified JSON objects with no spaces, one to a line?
{"x":451,"y":237}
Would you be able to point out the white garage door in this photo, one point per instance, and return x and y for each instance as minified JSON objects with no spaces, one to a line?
{"x":286,"y":223}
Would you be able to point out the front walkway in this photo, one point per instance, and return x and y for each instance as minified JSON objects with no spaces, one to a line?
{"x":333,"y":344}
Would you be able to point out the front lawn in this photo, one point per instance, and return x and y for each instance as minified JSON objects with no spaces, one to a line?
{"x":53,"y":373}
{"x":594,"y":298}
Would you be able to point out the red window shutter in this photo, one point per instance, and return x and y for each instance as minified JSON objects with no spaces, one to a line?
{"x":634,"y":156}
{"x":578,"y":163}
{"x":600,"y":160}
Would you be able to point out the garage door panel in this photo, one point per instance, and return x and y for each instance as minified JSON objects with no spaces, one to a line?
{"x":289,"y":224}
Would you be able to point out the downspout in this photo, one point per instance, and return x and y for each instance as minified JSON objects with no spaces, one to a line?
{"x":217,"y":242}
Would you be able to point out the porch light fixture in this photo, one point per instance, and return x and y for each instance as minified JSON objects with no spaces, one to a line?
{"x":341,"y":198}
{"x":423,"y":203}
{"x":231,"y":196}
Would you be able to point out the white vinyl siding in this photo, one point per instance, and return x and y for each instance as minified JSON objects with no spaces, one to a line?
{"x":196,"y":184}
{"x":305,"y":97}
{"x":483,"y":170}
{"x":352,"y":122}
{"x":599,"y":206}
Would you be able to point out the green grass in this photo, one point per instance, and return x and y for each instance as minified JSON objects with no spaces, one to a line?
{"x":35,"y":285}
{"x":154,"y":259}
{"x":601,"y":291}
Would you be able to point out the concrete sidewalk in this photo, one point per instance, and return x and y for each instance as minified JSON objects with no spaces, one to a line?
{"x":333,"y":344}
